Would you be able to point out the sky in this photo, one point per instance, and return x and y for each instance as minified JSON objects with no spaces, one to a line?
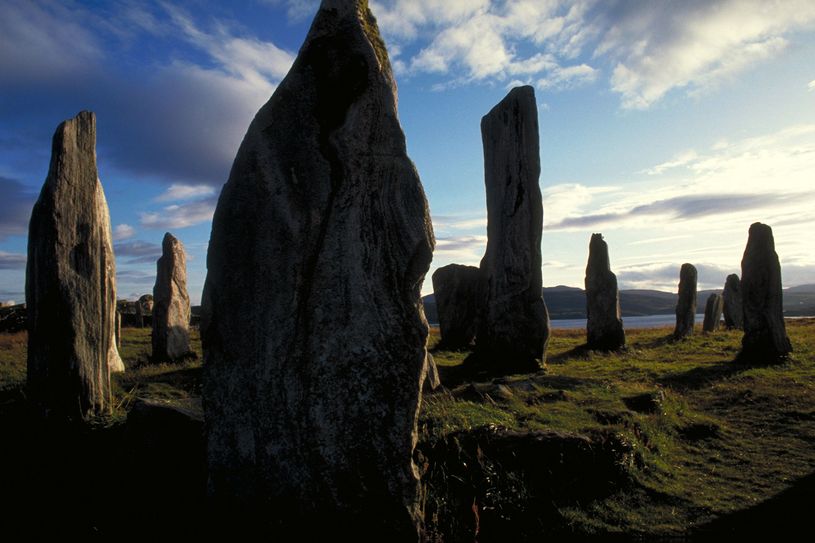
{"x":667,"y":126}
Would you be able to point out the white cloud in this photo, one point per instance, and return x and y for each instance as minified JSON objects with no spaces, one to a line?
{"x":179,"y":192}
{"x":661,"y":46}
{"x":811,"y":85}
{"x":12,"y":261}
{"x":123,"y":231}
{"x":180,"y":215}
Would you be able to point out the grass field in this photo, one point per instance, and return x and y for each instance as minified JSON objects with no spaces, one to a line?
{"x":680,"y":439}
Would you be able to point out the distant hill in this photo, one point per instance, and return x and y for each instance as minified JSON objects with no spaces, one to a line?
{"x":570,"y":302}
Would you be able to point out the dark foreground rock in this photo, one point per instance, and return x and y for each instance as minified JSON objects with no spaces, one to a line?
{"x":514,"y":327}
{"x":312,"y":328}
{"x":604,"y":327}
{"x":497,"y":485}
{"x":171,"y":304}
{"x":765,"y":335}
{"x":459,"y":296}
{"x":713,"y":312}
{"x":71,"y":281}
{"x":686,"y":302}
{"x":731,"y":296}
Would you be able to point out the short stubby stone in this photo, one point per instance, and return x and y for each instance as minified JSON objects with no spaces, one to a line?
{"x":713,"y":312}
{"x":171,"y":303}
{"x":71,"y":281}
{"x":459,"y":297}
{"x":765,"y":335}
{"x":686,"y":302}
{"x":604,"y":326}
{"x":733,"y":310}
{"x":513,"y":329}
{"x":312,"y":325}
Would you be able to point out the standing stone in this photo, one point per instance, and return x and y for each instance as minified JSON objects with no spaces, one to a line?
{"x":144,"y":309}
{"x":765,"y":335}
{"x":733,"y":311}
{"x":713,"y":312}
{"x":171,"y":303}
{"x":604,"y":327}
{"x":686,"y":302}
{"x":118,"y":330}
{"x":458,"y":291}
{"x":312,"y":324}
{"x":514,"y":328}
{"x":71,"y":281}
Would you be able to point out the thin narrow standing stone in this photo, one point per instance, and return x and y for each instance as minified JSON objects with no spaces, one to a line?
{"x":71,"y":281}
{"x":458,"y":291}
{"x":733,"y":310}
{"x":686,"y":302}
{"x":604,"y":327}
{"x":713,"y":312}
{"x":312,"y":325}
{"x":171,"y":303}
{"x":514,"y":328}
{"x":765,"y":335}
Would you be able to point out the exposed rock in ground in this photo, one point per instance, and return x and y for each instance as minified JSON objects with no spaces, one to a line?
{"x":171,"y":304}
{"x":733,"y":310}
{"x":514,"y":327}
{"x":765,"y":335}
{"x":686,"y":302}
{"x":71,"y":281}
{"x":604,"y":327}
{"x":313,"y":332}
{"x":713,"y":312}
{"x":459,"y":297}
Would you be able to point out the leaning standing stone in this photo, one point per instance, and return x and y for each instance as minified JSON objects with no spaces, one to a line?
{"x":686,"y":302}
{"x":514,"y":327}
{"x":458,"y":291}
{"x":171,"y":303}
{"x":713,"y":312}
{"x":71,"y":281}
{"x":733,"y":310}
{"x":312,"y":325}
{"x":604,"y":327}
{"x":765,"y":335}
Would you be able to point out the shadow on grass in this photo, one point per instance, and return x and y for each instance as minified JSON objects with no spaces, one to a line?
{"x":786,"y":513}
{"x":702,"y":376}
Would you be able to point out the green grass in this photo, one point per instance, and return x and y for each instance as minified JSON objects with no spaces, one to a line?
{"x":727,"y":436}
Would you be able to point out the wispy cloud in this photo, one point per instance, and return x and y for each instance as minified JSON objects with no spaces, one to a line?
{"x":180,"y":215}
{"x":811,"y":85}
{"x":123,"y":231}
{"x":137,"y":252}
{"x":12,"y":261}
{"x":179,"y":192}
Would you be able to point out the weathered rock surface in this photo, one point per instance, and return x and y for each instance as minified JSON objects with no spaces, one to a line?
{"x":713,"y":312}
{"x":604,"y":327}
{"x":71,"y":281}
{"x":514,"y":327}
{"x":459,"y":296}
{"x":765,"y":335}
{"x":171,"y":303}
{"x":733,"y":310}
{"x":144,"y":310}
{"x":313,"y":332}
{"x":686,"y":303}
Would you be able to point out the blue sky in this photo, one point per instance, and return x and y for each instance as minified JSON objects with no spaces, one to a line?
{"x":667,"y":126}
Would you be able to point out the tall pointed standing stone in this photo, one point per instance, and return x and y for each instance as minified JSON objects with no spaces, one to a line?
{"x":713,"y":312}
{"x":604,"y":327}
{"x":765,"y":335}
{"x":171,"y":303}
{"x":686,"y":302}
{"x":71,"y":281}
{"x":312,"y":324}
{"x":458,"y":291}
{"x":733,"y":310}
{"x":514,"y":328}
